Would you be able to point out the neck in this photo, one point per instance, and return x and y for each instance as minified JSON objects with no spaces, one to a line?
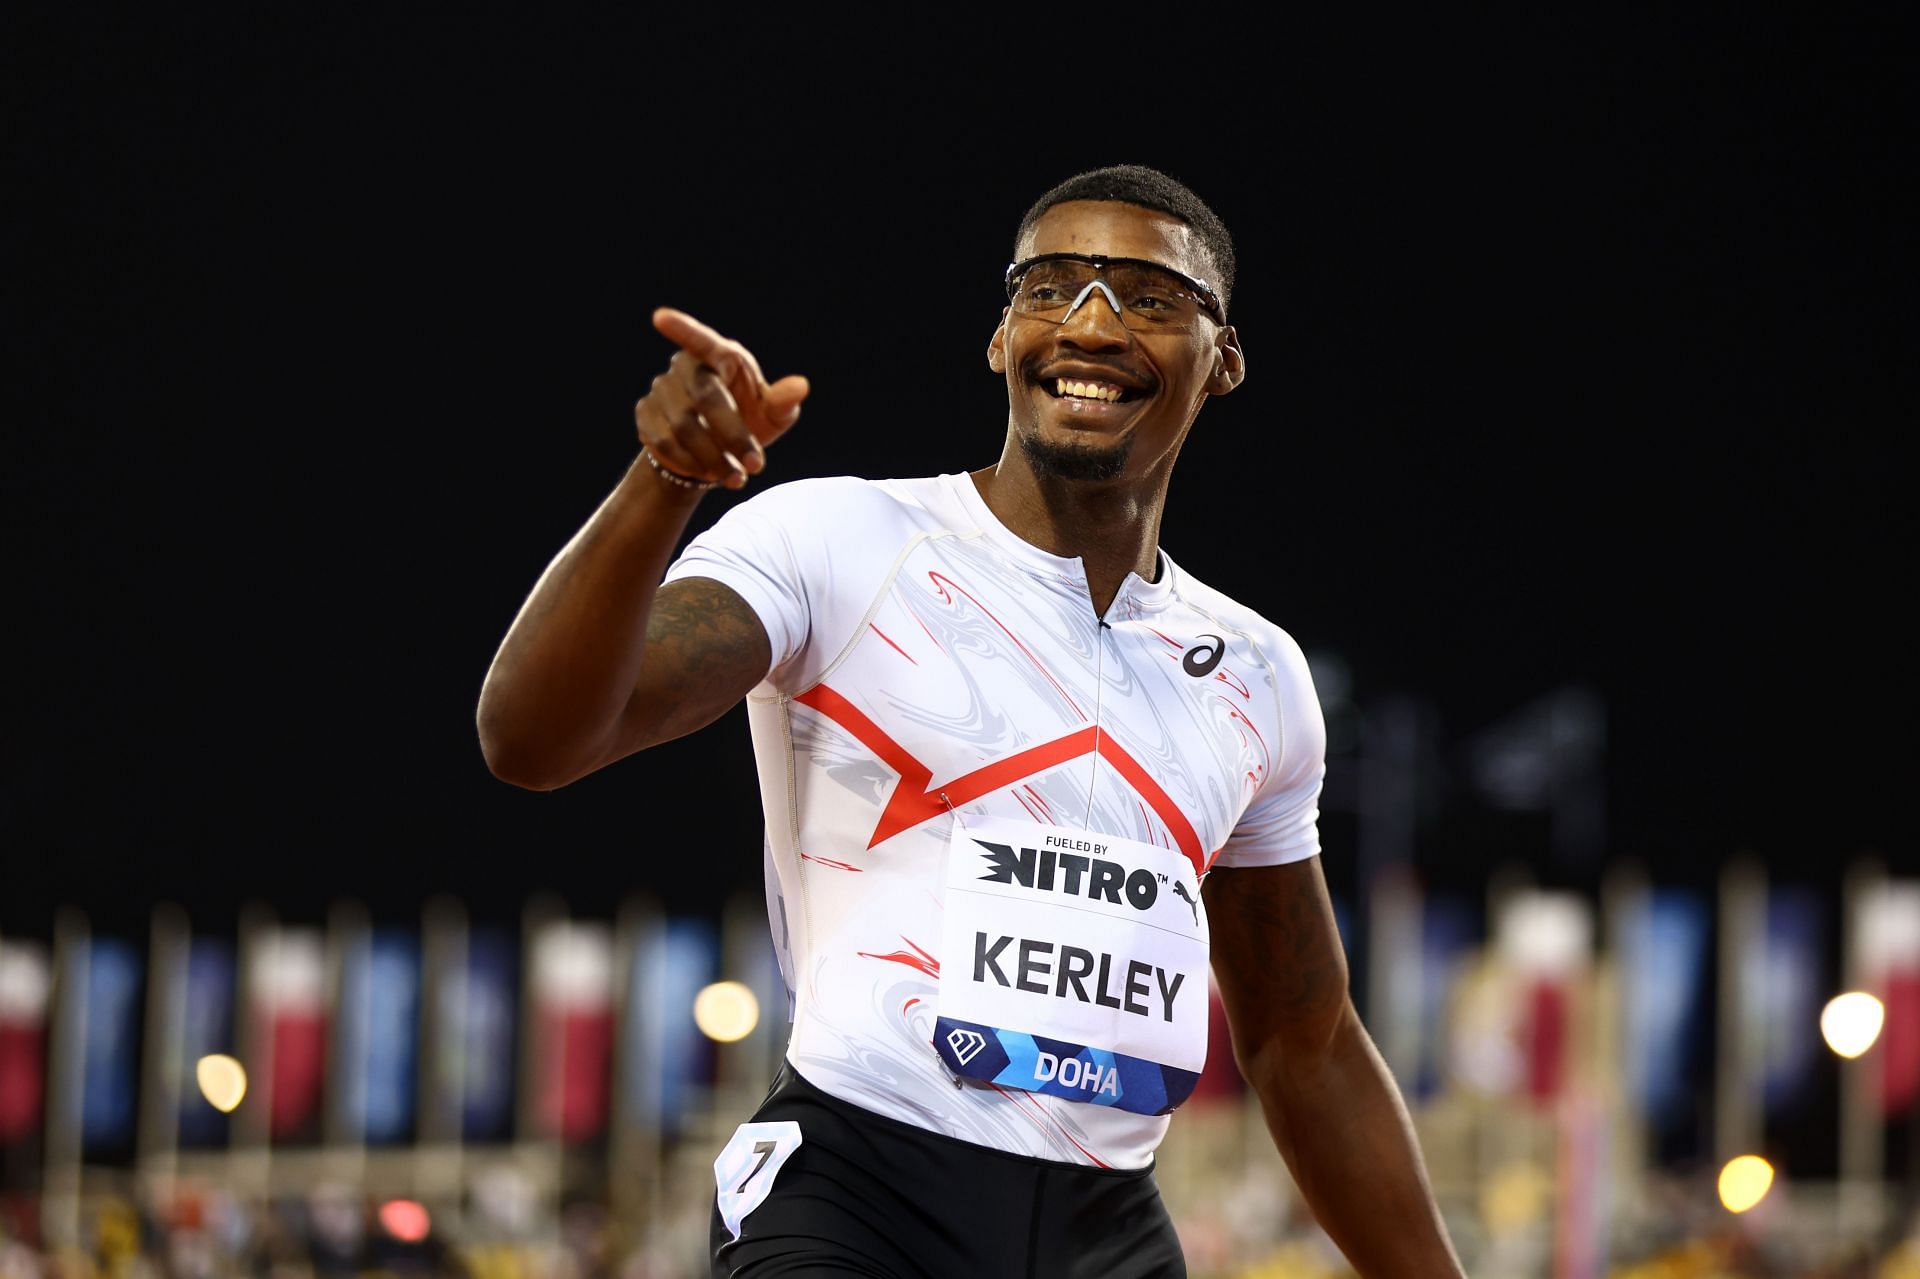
{"x":1113,"y":527}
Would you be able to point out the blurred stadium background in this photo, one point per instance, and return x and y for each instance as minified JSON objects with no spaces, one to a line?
{"x":1652,"y":1079}
{"x":1574,"y":435}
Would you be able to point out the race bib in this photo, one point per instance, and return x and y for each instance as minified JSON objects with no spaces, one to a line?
{"x":1073,"y":965}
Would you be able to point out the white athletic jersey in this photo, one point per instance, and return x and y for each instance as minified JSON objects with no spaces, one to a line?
{"x":925,"y":656}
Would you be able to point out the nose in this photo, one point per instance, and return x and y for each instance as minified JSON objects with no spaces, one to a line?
{"x":1093,"y":321}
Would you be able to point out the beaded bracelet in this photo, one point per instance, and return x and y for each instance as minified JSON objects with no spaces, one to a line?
{"x":674,"y":477}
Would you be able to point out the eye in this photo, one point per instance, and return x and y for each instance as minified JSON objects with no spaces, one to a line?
{"x":1161,"y":306}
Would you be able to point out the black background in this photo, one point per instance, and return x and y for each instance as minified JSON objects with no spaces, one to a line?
{"x":1580,"y":354}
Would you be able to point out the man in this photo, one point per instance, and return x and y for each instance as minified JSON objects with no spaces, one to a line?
{"x":1008,"y":752}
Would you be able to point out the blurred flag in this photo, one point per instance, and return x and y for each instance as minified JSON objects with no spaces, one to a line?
{"x":1664,"y":949}
{"x":1889,"y":948}
{"x":110,"y":1068}
{"x":1483,"y":1028}
{"x":751,"y":957}
{"x":287,"y":1000}
{"x":573,"y":1025}
{"x":1546,"y":940}
{"x":24,"y":982}
{"x":392,"y":1022}
{"x":208,"y":1029}
{"x":1792,"y":985}
{"x":1449,"y":932}
{"x":1393,"y":983}
{"x":666,"y":1057}
{"x":1580,"y":1213}
{"x":485,"y":1036}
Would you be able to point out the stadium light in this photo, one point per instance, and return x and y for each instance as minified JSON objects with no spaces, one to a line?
{"x":726,"y":1011}
{"x":1851,"y":1022}
{"x":1744,"y":1182}
{"x":222,"y":1080}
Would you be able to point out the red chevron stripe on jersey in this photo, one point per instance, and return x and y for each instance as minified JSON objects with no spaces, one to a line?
{"x":915,"y":799}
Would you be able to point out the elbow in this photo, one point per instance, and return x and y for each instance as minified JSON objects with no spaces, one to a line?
{"x":1297,"y":1047}
{"x":513,"y":774}
{"x":518,"y":770}
{"x":515,"y":760}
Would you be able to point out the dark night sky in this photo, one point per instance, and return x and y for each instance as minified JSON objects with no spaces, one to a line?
{"x":1577,"y":356}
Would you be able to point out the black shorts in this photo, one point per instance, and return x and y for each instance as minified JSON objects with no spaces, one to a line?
{"x":866,"y":1195}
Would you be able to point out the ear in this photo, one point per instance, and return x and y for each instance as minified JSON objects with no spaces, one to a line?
{"x":1229,"y":363}
{"x":997,"y":345}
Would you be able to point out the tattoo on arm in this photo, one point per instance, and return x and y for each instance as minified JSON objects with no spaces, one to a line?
{"x":705,"y":649}
{"x":1283,"y":946}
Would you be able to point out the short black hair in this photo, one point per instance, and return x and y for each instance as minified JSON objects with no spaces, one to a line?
{"x":1150,"y":189}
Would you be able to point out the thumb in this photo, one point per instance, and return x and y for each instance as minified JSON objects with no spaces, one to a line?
{"x":782,"y":400}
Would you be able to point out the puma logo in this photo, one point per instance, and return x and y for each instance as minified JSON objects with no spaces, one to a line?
{"x":1180,"y":891}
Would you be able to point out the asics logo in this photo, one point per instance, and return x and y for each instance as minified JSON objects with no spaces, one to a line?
{"x":1202,"y":658}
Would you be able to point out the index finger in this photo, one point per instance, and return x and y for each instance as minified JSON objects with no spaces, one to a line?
{"x":723,"y":355}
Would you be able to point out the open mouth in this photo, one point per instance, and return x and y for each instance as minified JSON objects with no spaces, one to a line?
{"x":1067,"y":388}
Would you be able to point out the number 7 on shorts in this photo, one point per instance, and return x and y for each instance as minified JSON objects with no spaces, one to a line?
{"x":743,"y":1174}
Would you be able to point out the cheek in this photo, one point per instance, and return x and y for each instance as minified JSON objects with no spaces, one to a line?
{"x":1188,"y":363}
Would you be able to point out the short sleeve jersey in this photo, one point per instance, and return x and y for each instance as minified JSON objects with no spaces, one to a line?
{"x":928,"y":663}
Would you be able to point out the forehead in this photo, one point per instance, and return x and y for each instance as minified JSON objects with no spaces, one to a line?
{"x":1112,"y":229}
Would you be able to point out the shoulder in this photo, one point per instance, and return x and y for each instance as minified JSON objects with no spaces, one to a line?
{"x":847,"y":498}
{"x":1274,"y":642}
{"x":812,"y":494}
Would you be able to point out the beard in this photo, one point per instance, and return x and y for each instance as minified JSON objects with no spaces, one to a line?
{"x":1076,"y":460}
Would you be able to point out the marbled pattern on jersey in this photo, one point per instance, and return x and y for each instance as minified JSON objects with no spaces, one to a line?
{"x":927,"y":662}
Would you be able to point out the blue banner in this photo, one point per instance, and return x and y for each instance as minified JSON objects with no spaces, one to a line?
{"x":486,"y":1037}
{"x":1449,"y":931}
{"x":1793,"y":985}
{"x":207,"y":1028}
{"x":392,"y":1011}
{"x":1664,"y":957}
{"x":110,"y":1070}
{"x":666,"y":1056}
{"x":1074,"y":1072}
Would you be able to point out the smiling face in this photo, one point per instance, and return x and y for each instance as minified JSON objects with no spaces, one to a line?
{"x":1091,"y":399}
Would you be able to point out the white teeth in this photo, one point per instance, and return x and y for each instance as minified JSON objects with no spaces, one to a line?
{"x":1087,"y":390}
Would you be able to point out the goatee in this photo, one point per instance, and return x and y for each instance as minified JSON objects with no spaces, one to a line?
{"x":1075,"y":460}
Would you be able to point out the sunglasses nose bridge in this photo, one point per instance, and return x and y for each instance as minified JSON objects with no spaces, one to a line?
{"x":1113,"y":300}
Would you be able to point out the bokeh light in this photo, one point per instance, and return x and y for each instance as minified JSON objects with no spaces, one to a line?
{"x":1516,"y":1197}
{"x":1744,"y":1182}
{"x":222,"y":1080}
{"x":405,"y":1220}
{"x":1851,"y":1022}
{"x":726,"y":1011}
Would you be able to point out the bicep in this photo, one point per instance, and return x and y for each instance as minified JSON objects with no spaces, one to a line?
{"x":1276,"y":956}
{"x":705,"y":650}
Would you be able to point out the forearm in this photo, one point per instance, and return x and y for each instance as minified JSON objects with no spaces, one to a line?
{"x":552,"y":701}
{"x":1339,"y":1121}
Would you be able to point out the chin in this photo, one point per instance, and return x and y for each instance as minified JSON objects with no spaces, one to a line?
{"x":1077,"y":459}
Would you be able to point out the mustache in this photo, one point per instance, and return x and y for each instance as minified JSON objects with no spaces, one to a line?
{"x":1042,"y":370}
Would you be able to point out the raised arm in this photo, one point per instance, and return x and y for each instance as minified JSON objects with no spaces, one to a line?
{"x":1329,"y":1100}
{"x":602,"y":661}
